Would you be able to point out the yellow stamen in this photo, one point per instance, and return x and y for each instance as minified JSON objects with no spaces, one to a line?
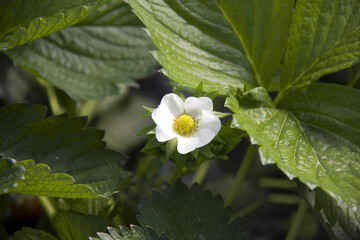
{"x":184,"y":125}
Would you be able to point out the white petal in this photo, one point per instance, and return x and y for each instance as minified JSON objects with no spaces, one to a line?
{"x":162,"y":116}
{"x":173,"y":103}
{"x":193,"y":106}
{"x":164,"y":134}
{"x":187,"y":144}
{"x":210,"y":121}
{"x":205,"y":136}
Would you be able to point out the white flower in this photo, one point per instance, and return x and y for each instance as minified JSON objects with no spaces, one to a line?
{"x":192,"y":122}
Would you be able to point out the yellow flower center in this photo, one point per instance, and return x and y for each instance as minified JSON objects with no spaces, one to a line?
{"x":184,"y":125}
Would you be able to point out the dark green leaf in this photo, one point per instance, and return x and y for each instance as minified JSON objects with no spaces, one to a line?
{"x":21,"y":22}
{"x":324,"y":38}
{"x":315,"y":138}
{"x":263,"y":28}
{"x":31,"y":234}
{"x":182,"y":213}
{"x":62,"y":145}
{"x":196,"y":43}
{"x":91,"y":60}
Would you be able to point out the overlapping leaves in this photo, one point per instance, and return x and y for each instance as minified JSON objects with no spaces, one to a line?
{"x":25,"y":21}
{"x":196,"y":43}
{"x":315,"y":137}
{"x":262,"y":27}
{"x":60,"y":145}
{"x":324,"y":38}
{"x":93,"y":59}
{"x":181,"y":213}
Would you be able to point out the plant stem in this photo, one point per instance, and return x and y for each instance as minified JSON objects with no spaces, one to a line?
{"x":48,"y":206}
{"x":280,"y":183}
{"x":296,"y":224}
{"x":282,"y":198}
{"x":241,"y":174}
{"x":87,"y":109}
{"x":248,"y":209}
{"x":201,"y":172}
{"x":278,"y":98}
{"x":174,"y":175}
{"x":53,"y":99}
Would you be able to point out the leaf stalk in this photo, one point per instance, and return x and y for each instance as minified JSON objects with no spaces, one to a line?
{"x":241,"y":174}
{"x":296,"y":224}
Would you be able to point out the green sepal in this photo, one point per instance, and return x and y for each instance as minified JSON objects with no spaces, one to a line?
{"x":198,"y":90}
{"x":178,"y":92}
{"x":148,"y":112}
{"x":147,"y":130}
{"x":170,"y":147}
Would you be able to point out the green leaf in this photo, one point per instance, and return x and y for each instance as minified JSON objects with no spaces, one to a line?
{"x":37,"y":180}
{"x":341,"y":220}
{"x":348,"y":219}
{"x":91,"y":60}
{"x":10,"y":173}
{"x":70,"y":225}
{"x":315,"y":138}
{"x":324,"y":38}
{"x":263,"y":28}
{"x":182,"y":213}
{"x":62,"y":145}
{"x":196,"y":43}
{"x":21,"y":22}
{"x":27,"y":233}
{"x":134,"y":233}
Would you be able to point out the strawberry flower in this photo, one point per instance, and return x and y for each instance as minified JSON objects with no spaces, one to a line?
{"x":192,"y":122}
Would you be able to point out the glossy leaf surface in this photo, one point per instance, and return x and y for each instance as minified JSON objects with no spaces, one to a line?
{"x":314,"y":137}
{"x":196,"y":43}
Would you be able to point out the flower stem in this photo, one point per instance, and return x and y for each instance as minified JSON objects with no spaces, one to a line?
{"x":241,"y":174}
{"x":87,"y":109}
{"x":283,"y":198}
{"x":201,"y":172}
{"x":53,"y":99}
{"x":48,"y":206}
{"x":249,"y":209}
{"x":296,"y":224}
